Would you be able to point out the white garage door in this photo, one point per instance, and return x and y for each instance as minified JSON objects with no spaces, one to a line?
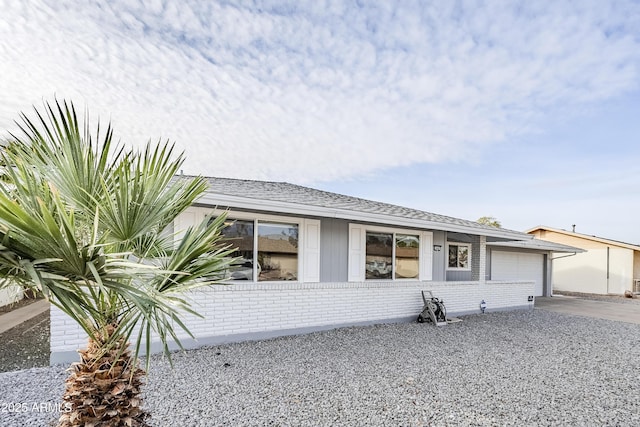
{"x":518,"y":266}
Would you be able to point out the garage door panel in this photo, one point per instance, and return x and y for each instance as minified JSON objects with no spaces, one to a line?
{"x":518,"y":266}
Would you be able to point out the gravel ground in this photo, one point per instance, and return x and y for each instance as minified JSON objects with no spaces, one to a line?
{"x":518,"y":368}
{"x":26,"y":345}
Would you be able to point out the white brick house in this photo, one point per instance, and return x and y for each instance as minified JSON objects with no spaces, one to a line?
{"x":313,"y":260}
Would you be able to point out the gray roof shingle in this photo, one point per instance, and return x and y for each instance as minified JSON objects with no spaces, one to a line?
{"x":296,"y":194}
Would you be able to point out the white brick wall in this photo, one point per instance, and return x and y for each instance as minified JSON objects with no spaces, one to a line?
{"x":11,"y":294}
{"x":257,"y":310}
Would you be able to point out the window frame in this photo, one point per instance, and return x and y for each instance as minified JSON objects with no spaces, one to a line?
{"x":396,"y":258}
{"x":469,"y":256}
{"x":256,"y":248}
{"x":257,"y":218}
{"x":425,"y":252}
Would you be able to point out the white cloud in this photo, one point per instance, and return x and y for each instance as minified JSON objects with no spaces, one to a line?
{"x":319,"y":91}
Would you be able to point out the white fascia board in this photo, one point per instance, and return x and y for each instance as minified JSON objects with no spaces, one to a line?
{"x":319,"y":211}
{"x":586,"y":237}
{"x":537,"y":244}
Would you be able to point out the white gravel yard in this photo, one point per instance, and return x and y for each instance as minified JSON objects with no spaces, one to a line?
{"x":518,"y":368}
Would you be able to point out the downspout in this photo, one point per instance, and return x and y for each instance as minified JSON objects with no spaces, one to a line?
{"x":608,"y":258}
{"x":564,"y":256}
{"x":559,"y":257}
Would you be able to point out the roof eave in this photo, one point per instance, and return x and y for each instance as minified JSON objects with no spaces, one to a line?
{"x":542,"y":247}
{"x":586,"y":237}
{"x":216,"y":199}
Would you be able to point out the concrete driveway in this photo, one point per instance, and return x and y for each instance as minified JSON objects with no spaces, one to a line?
{"x":629,"y":313}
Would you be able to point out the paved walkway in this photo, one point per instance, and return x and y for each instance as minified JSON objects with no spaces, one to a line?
{"x":629,"y":313}
{"x":22,"y":314}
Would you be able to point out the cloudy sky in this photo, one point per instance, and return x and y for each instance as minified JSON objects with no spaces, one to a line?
{"x":526,"y":111}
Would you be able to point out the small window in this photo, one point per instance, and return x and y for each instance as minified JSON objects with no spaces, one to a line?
{"x":459,"y":256}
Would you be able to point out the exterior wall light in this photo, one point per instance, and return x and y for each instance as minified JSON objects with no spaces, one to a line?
{"x":483,"y":306}
{"x":437,"y":248}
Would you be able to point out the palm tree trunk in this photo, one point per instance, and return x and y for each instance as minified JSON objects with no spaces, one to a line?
{"x":104,"y":390}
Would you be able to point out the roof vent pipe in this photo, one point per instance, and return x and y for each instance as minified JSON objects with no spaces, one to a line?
{"x":573,"y":228}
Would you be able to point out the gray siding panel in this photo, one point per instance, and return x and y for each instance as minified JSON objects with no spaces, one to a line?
{"x":456,"y":275}
{"x":334,"y":250}
{"x":439,"y":258}
{"x":487,"y":275}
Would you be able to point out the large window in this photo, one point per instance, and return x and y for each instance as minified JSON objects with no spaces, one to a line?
{"x":407,"y":256}
{"x":379,"y":255}
{"x":239,"y":234}
{"x":459,"y":256}
{"x":392,"y":255}
{"x":274,"y":246}
{"x":278,"y":251}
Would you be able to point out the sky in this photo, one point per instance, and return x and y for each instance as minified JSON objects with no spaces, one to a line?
{"x":527,"y":111}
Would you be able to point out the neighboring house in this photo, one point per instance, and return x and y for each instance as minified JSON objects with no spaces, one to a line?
{"x":313,"y":260}
{"x":604,"y":267}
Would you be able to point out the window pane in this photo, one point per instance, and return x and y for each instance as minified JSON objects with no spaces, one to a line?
{"x":239,"y":234}
{"x":379,"y":253}
{"x":407,"y":256}
{"x":277,"y":251}
{"x":453,"y":256}
{"x":463,"y":256}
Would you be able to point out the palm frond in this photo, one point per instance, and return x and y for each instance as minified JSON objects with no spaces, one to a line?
{"x":82,"y":219}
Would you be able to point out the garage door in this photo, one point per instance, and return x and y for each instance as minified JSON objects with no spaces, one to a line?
{"x":518,"y":266}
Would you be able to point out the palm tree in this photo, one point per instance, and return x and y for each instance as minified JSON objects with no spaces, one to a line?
{"x":88,"y":223}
